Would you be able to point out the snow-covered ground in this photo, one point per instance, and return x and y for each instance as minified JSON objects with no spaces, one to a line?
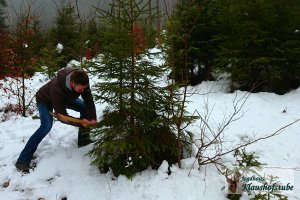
{"x":64,"y":171}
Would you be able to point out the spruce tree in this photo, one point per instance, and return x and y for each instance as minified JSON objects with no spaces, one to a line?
{"x":133,"y":133}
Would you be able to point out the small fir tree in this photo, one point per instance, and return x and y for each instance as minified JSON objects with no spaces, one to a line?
{"x":133,"y":133}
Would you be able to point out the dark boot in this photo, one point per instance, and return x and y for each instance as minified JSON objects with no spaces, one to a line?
{"x":85,"y":142}
{"x":84,"y":137}
{"x":23,"y":167}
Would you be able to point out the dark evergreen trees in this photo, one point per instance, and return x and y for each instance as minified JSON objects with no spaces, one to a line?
{"x":2,"y":15}
{"x":256,"y":42}
{"x":192,"y":29}
{"x":51,"y":58}
{"x":66,"y":32}
{"x":5,"y":53}
{"x":133,"y":133}
{"x":260,"y":44}
{"x":93,"y":37}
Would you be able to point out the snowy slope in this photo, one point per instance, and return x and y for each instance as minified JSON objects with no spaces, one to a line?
{"x":63,"y":170}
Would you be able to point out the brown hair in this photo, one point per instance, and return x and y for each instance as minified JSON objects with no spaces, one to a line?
{"x":80,"y":77}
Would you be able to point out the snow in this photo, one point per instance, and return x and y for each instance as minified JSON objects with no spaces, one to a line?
{"x":64,"y":170}
{"x":59,"y":47}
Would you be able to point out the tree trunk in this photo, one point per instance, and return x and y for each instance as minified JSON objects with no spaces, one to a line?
{"x":150,"y":13}
{"x":23,"y":92}
{"x":132,"y":70}
{"x":158,"y":15}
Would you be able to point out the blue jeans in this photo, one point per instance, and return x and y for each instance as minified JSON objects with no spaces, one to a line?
{"x":46,"y":125}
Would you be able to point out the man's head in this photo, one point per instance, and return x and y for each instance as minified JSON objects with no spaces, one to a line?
{"x":79,"y":80}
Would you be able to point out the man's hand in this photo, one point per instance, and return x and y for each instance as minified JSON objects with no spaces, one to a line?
{"x":93,"y":122}
{"x":87,"y":123}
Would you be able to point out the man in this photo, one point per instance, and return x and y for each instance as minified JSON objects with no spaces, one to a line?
{"x":61,"y":93}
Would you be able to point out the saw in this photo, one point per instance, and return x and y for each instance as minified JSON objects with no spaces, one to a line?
{"x":68,"y":119}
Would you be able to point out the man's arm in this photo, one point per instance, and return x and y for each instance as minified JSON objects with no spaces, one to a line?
{"x":72,"y":120}
{"x":89,"y":103}
{"x":58,"y":101}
